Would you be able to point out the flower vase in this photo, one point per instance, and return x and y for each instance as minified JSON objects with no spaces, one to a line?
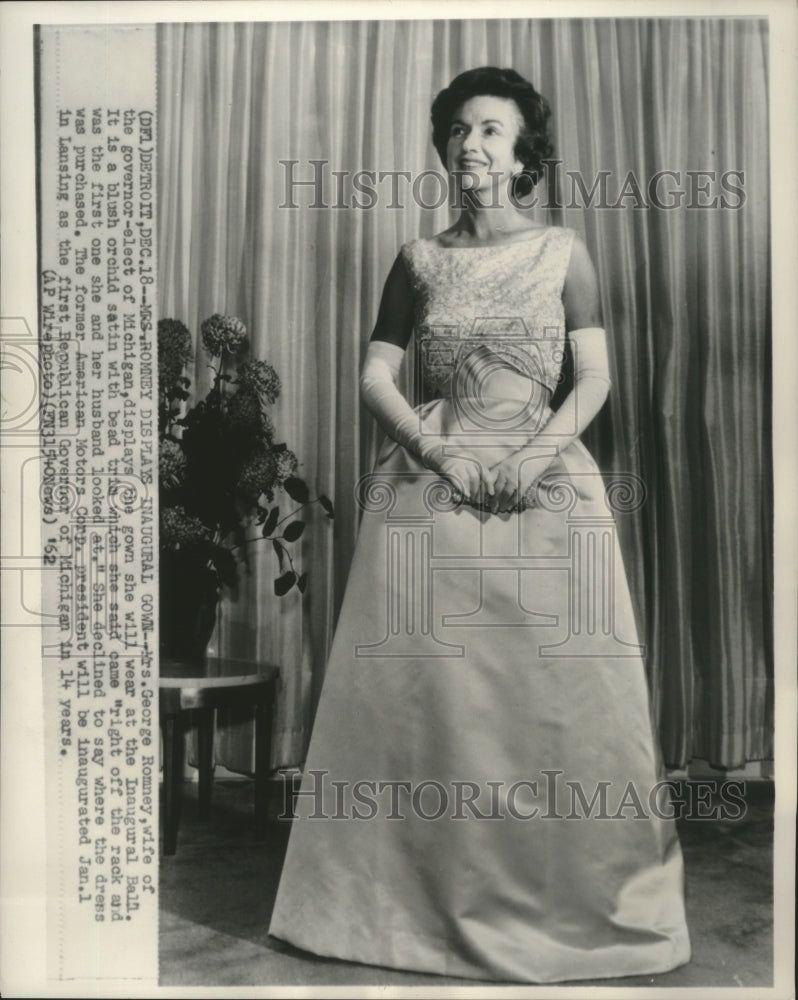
{"x":189,"y":600}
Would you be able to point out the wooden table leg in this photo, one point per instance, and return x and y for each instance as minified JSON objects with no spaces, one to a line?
{"x":204,"y":760}
{"x":173,"y":734}
{"x":263,"y":741}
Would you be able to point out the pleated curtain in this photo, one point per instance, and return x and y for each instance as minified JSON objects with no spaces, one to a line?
{"x":245,"y":109}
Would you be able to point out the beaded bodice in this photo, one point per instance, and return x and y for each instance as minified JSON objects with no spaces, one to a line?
{"x":506,"y":297}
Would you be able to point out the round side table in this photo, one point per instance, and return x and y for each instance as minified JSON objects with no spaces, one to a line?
{"x":218,"y":682}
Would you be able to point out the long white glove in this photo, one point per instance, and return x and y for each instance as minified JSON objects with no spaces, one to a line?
{"x":390,"y":408}
{"x":512,"y":478}
{"x":592,"y":384}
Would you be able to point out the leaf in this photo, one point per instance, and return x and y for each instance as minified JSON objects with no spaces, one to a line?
{"x":302,"y":583}
{"x":284,"y":583}
{"x":293,"y":530}
{"x":327,"y":505}
{"x":297,"y":489}
{"x":278,"y":548}
{"x":271,"y":522}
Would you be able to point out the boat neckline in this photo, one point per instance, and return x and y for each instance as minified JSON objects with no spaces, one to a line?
{"x":432,"y":240}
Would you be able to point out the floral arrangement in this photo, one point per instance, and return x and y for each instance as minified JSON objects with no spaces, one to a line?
{"x":222,"y":474}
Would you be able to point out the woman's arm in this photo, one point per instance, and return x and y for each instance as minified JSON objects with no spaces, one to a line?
{"x":395,"y":317}
{"x":580,"y":294}
{"x":589,"y":348}
{"x":380,"y":395}
{"x":516,"y":474}
{"x":380,"y":371}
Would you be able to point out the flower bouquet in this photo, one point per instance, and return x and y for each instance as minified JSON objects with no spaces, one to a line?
{"x":222,"y":477}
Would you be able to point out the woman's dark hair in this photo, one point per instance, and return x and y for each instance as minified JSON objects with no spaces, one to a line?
{"x":533,"y":145}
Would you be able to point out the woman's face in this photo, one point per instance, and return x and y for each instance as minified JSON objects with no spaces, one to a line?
{"x":482,"y":138}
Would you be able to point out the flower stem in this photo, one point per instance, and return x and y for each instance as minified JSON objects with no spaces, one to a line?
{"x":293,"y":513}
{"x":260,"y":538}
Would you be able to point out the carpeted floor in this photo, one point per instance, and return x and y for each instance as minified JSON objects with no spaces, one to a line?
{"x":217,"y":893}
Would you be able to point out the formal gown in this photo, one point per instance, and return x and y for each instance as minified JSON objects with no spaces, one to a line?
{"x":483,"y":794}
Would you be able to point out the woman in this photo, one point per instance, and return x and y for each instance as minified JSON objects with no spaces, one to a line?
{"x":481,"y":794}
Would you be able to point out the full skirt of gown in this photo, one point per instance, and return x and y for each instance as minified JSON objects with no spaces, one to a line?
{"x":483,"y":793}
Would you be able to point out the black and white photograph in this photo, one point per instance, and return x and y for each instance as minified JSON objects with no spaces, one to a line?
{"x":403,"y":517}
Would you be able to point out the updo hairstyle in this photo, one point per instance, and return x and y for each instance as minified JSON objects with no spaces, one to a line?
{"x":534,"y":142}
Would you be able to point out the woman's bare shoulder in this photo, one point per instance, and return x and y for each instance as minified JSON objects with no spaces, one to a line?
{"x":581,"y":289}
{"x":580,"y":263}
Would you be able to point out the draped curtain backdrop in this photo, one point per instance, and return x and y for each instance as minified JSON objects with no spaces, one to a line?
{"x":685,"y":294}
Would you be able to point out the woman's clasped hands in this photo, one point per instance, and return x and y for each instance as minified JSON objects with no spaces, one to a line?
{"x":514,"y":477}
{"x":499,"y":488}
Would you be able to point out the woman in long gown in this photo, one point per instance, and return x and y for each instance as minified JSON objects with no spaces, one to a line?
{"x":483,"y":795}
